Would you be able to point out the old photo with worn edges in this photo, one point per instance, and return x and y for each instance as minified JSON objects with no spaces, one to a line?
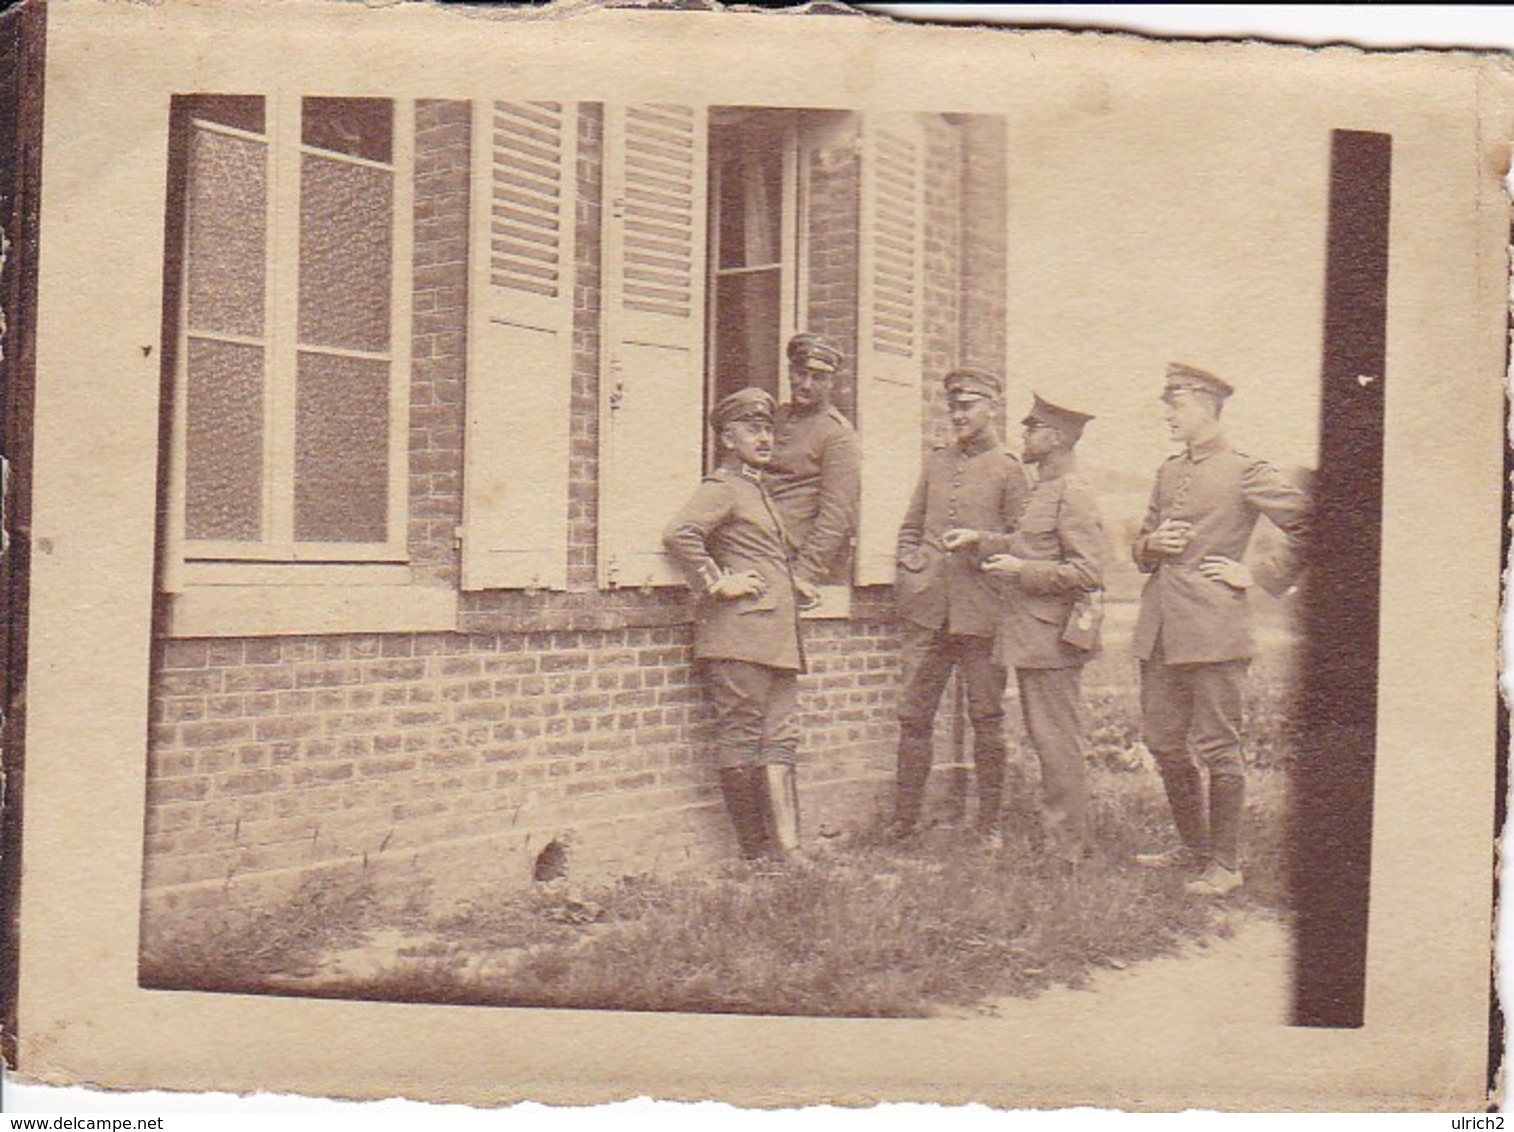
{"x":419,"y":401}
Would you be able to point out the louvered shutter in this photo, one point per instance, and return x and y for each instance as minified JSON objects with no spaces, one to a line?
{"x":520,"y":351}
{"x":890,"y":366}
{"x":652,"y":368}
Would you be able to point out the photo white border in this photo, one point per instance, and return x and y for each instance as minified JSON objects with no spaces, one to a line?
{"x":1399,"y":583}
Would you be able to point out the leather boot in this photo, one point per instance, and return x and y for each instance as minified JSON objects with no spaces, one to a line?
{"x":1185,"y":794}
{"x":914,"y":772}
{"x":1227,"y":805}
{"x":779,"y":787}
{"x":739,"y":787}
{"x":989,"y":761}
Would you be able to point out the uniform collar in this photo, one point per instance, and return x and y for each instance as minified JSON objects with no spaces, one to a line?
{"x":984,"y":443}
{"x":739,"y":470}
{"x":1056,"y":465}
{"x":1198,"y":453}
{"x":793,"y":409}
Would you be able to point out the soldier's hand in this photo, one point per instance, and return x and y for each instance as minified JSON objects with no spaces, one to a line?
{"x":748,"y":583}
{"x":1006,"y":564}
{"x":1171,"y":538}
{"x":959,"y":538}
{"x":807,"y":593}
{"x":1218,"y":568}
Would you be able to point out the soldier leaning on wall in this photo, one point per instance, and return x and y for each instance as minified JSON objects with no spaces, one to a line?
{"x":815,"y":474}
{"x":732,"y":549}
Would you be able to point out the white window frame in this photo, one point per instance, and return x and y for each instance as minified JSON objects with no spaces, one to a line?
{"x":279,"y":559}
{"x":792,"y":265}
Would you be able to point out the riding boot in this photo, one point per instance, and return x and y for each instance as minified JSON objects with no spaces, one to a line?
{"x":779,"y":788}
{"x":914,"y":771}
{"x":739,"y":786}
{"x":989,"y":761}
{"x":1185,"y":794}
{"x":1227,"y":803}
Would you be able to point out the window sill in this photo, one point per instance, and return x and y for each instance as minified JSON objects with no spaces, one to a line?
{"x":310,"y":610}
{"x":835,"y":605}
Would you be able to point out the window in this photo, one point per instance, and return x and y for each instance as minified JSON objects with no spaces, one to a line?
{"x":721,"y":225}
{"x":753,"y":270}
{"x":292,"y":354}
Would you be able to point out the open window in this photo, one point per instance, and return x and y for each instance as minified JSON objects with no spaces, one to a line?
{"x":754,"y":262}
{"x":726,"y":230}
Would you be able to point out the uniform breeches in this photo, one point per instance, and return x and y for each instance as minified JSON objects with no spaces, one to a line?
{"x":754,"y":708}
{"x":1193,"y":712}
{"x":929,"y":656}
{"x":1051,"y":701}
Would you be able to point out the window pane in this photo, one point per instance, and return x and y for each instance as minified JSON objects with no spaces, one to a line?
{"x":228,"y":220}
{"x":346,"y":242}
{"x":242,"y":111}
{"x":747,"y":349}
{"x":358,"y":127}
{"x":751,"y":203}
{"x":224,"y":446}
{"x":341,"y":489}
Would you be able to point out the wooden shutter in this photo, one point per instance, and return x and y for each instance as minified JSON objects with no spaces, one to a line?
{"x":652,"y":366}
{"x":520,"y":345}
{"x":890,"y":366}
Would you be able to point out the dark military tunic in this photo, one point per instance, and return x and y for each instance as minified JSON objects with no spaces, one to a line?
{"x":1222,"y":492}
{"x":729,"y":526}
{"x":981,"y":488}
{"x":1061,"y":539}
{"x":815,"y":481}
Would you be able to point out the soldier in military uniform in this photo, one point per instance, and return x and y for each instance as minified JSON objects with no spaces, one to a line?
{"x":815,"y":475}
{"x":730,"y":544}
{"x":950,"y":609}
{"x":1192,"y":636}
{"x":1052,"y":567}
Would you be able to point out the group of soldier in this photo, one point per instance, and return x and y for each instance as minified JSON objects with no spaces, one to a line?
{"x":996,"y":570}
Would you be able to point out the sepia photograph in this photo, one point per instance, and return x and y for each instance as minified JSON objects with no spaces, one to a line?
{"x":652,"y":549}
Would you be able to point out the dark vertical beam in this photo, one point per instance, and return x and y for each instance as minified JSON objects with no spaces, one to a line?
{"x":1496,"y":1026}
{"x":21,"y":53}
{"x":1331,"y":837}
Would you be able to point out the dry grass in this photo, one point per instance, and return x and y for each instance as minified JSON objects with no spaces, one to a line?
{"x":865,"y":929}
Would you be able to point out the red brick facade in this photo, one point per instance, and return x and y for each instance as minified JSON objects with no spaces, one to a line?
{"x":545,"y":711}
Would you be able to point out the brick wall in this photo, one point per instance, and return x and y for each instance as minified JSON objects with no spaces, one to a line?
{"x":943,"y":268}
{"x":985,"y":235}
{"x":831,"y":228}
{"x":286,"y":753}
{"x":439,"y":327}
{"x":583,"y":469}
{"x":546,"y":711}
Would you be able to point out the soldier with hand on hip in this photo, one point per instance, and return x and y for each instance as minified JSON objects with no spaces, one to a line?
{"x":815,"y":474}
{"x":1193,"y":633}
{"x":949,"y":607}
{"x":731,"y":547}
{"x":1052,"y":566}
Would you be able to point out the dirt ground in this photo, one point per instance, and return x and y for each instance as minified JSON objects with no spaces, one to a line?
{"x":1244,"y":978}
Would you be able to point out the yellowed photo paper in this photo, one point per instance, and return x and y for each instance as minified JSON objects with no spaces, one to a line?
{"x":780,"y":557}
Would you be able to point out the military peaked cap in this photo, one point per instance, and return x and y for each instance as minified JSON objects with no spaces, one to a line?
{"x":749,"y":404}
{"x":975,"y":381}
{"x":1193,"y":379}
{"x":1069,"y":421}
{"x":811,"y":351}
